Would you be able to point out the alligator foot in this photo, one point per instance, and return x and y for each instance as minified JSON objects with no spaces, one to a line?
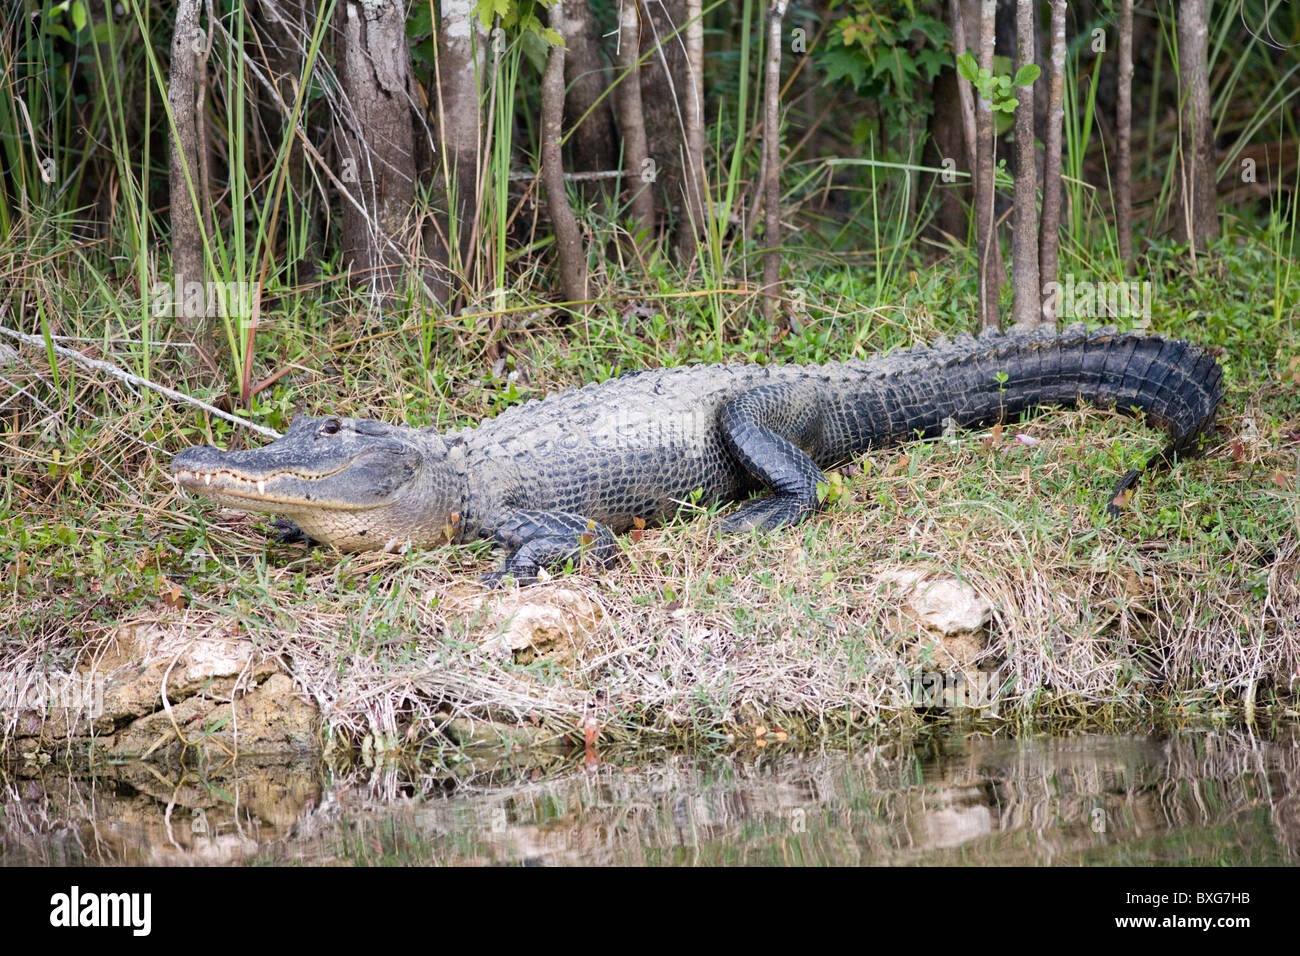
{"x":496,"y":579}
{"x":763,"y":429}
{"x":284,"y":531}
{"x":541,"y":539}
{"x":766,"y":514}
{"x":1123,"y":490}
{"x":1119,"y":498}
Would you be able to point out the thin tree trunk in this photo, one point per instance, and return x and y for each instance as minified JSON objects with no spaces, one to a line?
{"x":1196,"y":219}
{"x":462,"y":65}
{"x":772,"y":149}
{"x":187,"y":198}
{"x":1124,"y":128}
{"x":377,"y":145}
{"x":693,"y":176}
{"x":568,"y":238}
{"x":964,"y":92}
{"x":1026,"y":310}
{"x":985,"y":224}
{"x":664,"y":90}
{"x":636,"y":156}
{"x":594,"y":145}
{"x":284,"y":31}
{"x":1049,"y":236}
{"x":946,"y":144}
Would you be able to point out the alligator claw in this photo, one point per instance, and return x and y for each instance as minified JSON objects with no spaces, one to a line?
{"x":284,"y":531}
{"x":497,"y":579}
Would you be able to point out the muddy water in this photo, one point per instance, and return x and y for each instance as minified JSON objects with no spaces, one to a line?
{"x":1194,"y":797}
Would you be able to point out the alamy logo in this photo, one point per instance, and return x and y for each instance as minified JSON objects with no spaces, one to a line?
{"x":81,"y":694}
{"x":102,"y":909}
{"x":1098,"y":300}
{"x":196,"y":300}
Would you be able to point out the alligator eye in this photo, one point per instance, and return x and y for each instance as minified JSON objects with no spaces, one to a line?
{"x":331,"y":426}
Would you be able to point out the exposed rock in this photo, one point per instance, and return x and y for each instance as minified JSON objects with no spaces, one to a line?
{"x":550,"y":623}
{"x":221,"y":692}
{"x":469,"y":732}
{"x":950,"y":615}
{"x":270,"y":718}
{"x":946,"y":604}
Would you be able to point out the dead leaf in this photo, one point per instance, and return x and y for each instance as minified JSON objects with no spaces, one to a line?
{"x":171,"y":595}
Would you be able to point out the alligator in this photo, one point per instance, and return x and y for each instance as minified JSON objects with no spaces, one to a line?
{"x":551,"y":480}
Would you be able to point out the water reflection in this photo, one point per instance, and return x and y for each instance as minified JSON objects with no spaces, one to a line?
{"x":1204,"y":798}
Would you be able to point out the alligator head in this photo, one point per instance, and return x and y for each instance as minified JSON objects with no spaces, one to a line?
{"x":357,"y":484}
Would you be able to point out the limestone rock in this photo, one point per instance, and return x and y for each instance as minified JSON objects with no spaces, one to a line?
{"x":945,"y":603}
{"x":221,"y":693}
{"x":551,"y":623}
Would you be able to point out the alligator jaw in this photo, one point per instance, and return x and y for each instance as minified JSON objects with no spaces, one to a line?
{"x":267,"y":491}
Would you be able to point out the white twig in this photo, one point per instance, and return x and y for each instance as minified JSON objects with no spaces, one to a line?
{"x":109,"y":369}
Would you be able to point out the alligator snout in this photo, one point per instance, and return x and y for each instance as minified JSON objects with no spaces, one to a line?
{"x":197,"y":458}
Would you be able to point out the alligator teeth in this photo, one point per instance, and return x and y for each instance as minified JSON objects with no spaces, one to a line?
{"x":261,"y":486}
{"x":207,"y":479}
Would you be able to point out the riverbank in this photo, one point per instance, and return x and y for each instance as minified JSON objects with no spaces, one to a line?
{"x":976,"y":578}
{"x":1185,"y":607}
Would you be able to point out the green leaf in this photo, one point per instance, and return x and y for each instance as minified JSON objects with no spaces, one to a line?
{"x":488,"y":10}
{"x":1027,"y":74}
{"x":967,"y":68}
{"x":78,"y":15}
{"x":930,"y":62}
{"x":424,"y":52}
{"x":420,"y":21}
{"x":841,"y":63}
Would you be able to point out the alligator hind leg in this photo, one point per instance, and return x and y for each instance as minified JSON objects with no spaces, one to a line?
{"x":767,"y":429}
{"x":537,"y":539}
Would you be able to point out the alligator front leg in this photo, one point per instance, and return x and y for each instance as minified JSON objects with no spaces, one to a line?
{"x":284,"y":531}
{"x":537,"y":539}
{"x":767,"y":429}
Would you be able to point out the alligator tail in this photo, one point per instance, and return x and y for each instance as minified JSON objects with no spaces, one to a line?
{"x":974,"y":381}
{"x":1177,"y":386}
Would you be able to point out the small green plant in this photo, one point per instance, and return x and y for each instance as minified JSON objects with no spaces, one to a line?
{"x":996,"y":88}
{"x":890,"y":57}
